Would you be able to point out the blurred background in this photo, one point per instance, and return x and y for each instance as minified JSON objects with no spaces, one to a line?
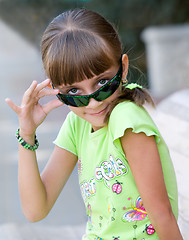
{"x":155,"y":35}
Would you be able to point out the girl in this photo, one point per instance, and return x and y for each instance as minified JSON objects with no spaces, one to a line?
{"x":126,"y":175}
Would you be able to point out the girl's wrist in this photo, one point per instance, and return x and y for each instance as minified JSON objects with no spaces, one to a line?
{"x":29,"y":138}
{"x":30,"y":144}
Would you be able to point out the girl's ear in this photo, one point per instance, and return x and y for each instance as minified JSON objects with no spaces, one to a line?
{"x":125,"y":64}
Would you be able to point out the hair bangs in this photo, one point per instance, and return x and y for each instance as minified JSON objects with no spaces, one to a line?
{"x":82,"y":56}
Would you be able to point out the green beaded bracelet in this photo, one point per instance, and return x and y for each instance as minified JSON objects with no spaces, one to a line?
{"x":25,"y":144}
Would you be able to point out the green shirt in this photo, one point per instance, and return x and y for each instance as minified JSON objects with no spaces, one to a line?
{"x":113,"y":204}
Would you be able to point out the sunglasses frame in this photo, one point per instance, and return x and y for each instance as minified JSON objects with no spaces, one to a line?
{"x":65,"y":97}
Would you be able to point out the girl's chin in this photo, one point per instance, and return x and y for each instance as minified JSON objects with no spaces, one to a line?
{"x":100,"y":124}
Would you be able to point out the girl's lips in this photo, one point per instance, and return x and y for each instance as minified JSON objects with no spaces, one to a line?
{"x":99,"y":113}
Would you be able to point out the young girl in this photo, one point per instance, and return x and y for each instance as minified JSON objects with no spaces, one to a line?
{"x":126,"y":175}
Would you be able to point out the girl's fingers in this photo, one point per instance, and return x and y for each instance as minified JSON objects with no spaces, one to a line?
{"x":33,"y":92}
{"x":12,"y":105}
{"x":47,"y":92}
{"x":52,"y":105}
{"x":42,"y":85}
{"x":32,"y":87}
{"x":29,"y":92}
{"x":43,"y":89}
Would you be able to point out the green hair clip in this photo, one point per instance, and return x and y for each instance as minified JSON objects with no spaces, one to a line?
{"x":133,"y":85}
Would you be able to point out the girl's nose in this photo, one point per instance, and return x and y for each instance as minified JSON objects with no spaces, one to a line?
{"x":93,"y":103}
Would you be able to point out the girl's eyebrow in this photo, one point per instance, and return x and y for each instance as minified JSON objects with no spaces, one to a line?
{"x":75,"y":85}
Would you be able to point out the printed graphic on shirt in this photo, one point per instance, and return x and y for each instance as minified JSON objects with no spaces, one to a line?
{"x":88,"y":188}
{"x":110,"y":169}
{"x":116,"y":187}
{"x":100,"y":221}
{"x":135,"y":213}
{"x":134,"y":228}
{"x":111,"y":210}
{"x":113,"y":238}
{"x":89,"y":213}
{"x":80,"y":168}
{"x":149,"y":229}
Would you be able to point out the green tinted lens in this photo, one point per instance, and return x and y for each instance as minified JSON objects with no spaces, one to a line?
{"x":74,"y":101}
{"x":101,"y":94}
{"x":107,"y":90}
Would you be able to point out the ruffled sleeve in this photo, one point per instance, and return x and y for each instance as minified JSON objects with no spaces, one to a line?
{"x":128,"y":115}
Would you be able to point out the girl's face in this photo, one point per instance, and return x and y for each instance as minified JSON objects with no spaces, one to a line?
{"x":95,"y":112}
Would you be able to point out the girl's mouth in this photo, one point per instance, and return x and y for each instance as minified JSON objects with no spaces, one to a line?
{"x":99,"y":113}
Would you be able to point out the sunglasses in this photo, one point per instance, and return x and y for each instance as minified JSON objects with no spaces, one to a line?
{"x":101,"y":94}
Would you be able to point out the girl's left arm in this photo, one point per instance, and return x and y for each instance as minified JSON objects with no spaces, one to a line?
{"x":143,"y":157}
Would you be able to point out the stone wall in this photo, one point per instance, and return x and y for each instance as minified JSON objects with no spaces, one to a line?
{"x":167,"y":58}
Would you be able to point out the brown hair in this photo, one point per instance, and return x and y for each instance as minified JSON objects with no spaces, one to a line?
{"x":79,"y":44}
{"x":138,"y":95}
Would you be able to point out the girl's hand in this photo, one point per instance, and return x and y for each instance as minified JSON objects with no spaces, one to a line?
{"x":31,"y":114}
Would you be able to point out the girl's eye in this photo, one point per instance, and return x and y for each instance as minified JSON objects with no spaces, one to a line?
{"x":103,"y":82}
{"x":73,"y":91}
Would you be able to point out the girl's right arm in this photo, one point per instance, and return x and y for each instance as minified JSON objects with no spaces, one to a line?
{"x":38,"y":193}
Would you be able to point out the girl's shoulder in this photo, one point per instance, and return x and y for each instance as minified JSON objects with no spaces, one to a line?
{"x":128,"y":115}
{"x":129,"y":110}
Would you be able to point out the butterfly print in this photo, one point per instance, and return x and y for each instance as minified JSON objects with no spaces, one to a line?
{"x":135,"y":213}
